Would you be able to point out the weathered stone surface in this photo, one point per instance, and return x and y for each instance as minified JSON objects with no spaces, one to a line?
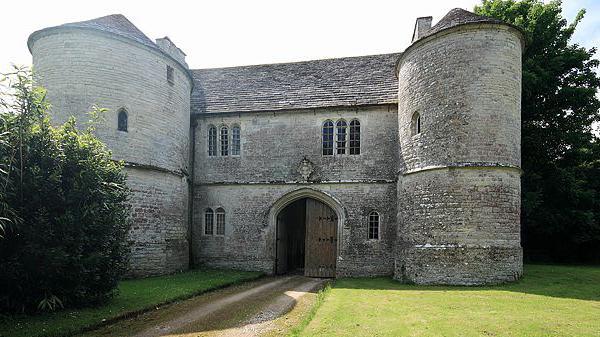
{"x":448,"y":197}
{"x":459,"y":181}
{"x":83,"y":68}
{"x":249,"y":239}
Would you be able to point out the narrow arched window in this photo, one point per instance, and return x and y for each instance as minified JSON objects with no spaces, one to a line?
{"x":328,"y":138}
{"x":415,"y":125}
{"x":355,"y":137}
{"x":212,"y":141}
{"x":122,"y":120}
{"x":209,"y":219}
{"x":341,"y":131}
{"x":224,"y":141}
{"x":220,"y":221}
{"x":235,"y":141}
{"x":374,"y":222}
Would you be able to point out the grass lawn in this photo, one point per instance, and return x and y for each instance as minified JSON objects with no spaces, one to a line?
{"x":133,"y":296}
{"x":550,"y":300}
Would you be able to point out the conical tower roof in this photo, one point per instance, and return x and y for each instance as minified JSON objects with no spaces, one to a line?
{"x":116,"y":24}
{"x":457,"y":17}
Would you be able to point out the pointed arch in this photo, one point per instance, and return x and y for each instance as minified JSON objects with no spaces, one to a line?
{"x":354,"y":144}
{"x":327,"y":138}
{"x":122,"y":120}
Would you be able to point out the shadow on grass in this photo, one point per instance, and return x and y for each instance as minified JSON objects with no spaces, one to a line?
{"x":574,"y":282}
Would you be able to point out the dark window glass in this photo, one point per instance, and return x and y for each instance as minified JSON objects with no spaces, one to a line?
{"x":328,"y":138}
{"x":355,"y":137}
{"x":208,"y":221}
{"x":415,"y":127}
{"x":220,"y":221}
{"x":212,"y":141}
{"x":224,"y":141}
{"x":235,"y":141}
{"x":373,"y":226}
{"x":122,"y":120}
{"x":170,"y":75}
{"x":341,"y":136}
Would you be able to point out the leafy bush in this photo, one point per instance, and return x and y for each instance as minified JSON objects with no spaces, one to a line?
{"x":63,"y":207}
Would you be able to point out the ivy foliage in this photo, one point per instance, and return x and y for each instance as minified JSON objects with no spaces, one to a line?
{"x":63,"y":207}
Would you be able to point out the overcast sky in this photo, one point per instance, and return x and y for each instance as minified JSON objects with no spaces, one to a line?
{"x":229,"y":33}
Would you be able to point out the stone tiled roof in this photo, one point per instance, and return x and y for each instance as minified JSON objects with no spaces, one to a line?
{"x":459,"y":16}
{"x":350,"y":81}
{"x":117,"y":24}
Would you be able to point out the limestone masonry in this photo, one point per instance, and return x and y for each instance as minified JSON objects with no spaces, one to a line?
{"x":416,"y":153}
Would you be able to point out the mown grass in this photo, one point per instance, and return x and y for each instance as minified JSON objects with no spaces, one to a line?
{"x":134,"y":296}
{"x":549,"y":301}
{"x":295,"y":332}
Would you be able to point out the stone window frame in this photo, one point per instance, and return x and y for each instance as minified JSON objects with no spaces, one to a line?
{"x":224,"y":141}
{"x":212,"y":142}
{"x":328,"y":150}
{"x":170,"y":75}
{"x":374,"y":217}
{"x":416,"y":125}
{"x":235,"y":146}
{"x":330,"y":137}
{"x":340,"y":124}
{"x":354,"y":144}
{"x":208,"y":211}
{"x":220,"y":214}
{"x":122,"y":112}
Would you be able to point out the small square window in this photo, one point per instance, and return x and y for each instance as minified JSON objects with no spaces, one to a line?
{"x":170,"y":75}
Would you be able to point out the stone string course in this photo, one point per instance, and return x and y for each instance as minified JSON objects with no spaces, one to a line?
{"x":449,"y":197}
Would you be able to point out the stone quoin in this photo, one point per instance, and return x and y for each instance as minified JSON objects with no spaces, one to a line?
{"x":411,"y":161}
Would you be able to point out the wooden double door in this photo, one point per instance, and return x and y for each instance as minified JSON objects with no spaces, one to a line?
{"x":318,"y":238}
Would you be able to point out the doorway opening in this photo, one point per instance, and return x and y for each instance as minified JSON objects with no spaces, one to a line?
{"x":306,"y":241}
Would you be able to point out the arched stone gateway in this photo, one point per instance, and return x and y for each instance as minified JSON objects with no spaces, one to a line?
{"x":307,"y":226}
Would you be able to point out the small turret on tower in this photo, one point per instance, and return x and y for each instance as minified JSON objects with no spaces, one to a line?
{"x":422,"y":25}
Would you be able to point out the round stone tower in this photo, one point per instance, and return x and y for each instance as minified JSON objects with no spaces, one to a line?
{"x":109,"y":63}
{"x":459,"y":105}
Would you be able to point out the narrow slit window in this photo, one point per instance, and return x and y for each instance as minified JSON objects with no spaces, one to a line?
{"x":122,"y":120}
{"x":374,"y":226}
{"x":224,"y":141}
{"x":327,"y":138}
{"x":208,"y":221}
{"x":170,"y":75}
{"x":220,"y":221}
{"x":341,"y":131}
{"x":235,"y":141}
{"x":355,"y":137}
{"x":416,"y":124}
{"x":212,"y":141}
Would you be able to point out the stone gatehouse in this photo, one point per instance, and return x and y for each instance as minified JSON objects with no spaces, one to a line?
{"x":404,"y":164}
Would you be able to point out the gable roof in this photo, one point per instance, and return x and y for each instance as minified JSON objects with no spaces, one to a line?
{"x":349,"y":81}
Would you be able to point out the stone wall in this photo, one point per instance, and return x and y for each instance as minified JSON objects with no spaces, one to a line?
{"x":249,"y":241}
{"x":459,"y":225}
{"x":273,"y":145}
{"x":459,"y":183}
{"x":159,"y":233}
{"x":82,"y":68}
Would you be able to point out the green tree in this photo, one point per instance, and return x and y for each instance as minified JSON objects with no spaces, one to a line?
{"x":560,"y":154}
{"x":64,"y":207}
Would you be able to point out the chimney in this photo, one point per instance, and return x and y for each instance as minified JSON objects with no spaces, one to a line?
{"x":422,"y":25}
